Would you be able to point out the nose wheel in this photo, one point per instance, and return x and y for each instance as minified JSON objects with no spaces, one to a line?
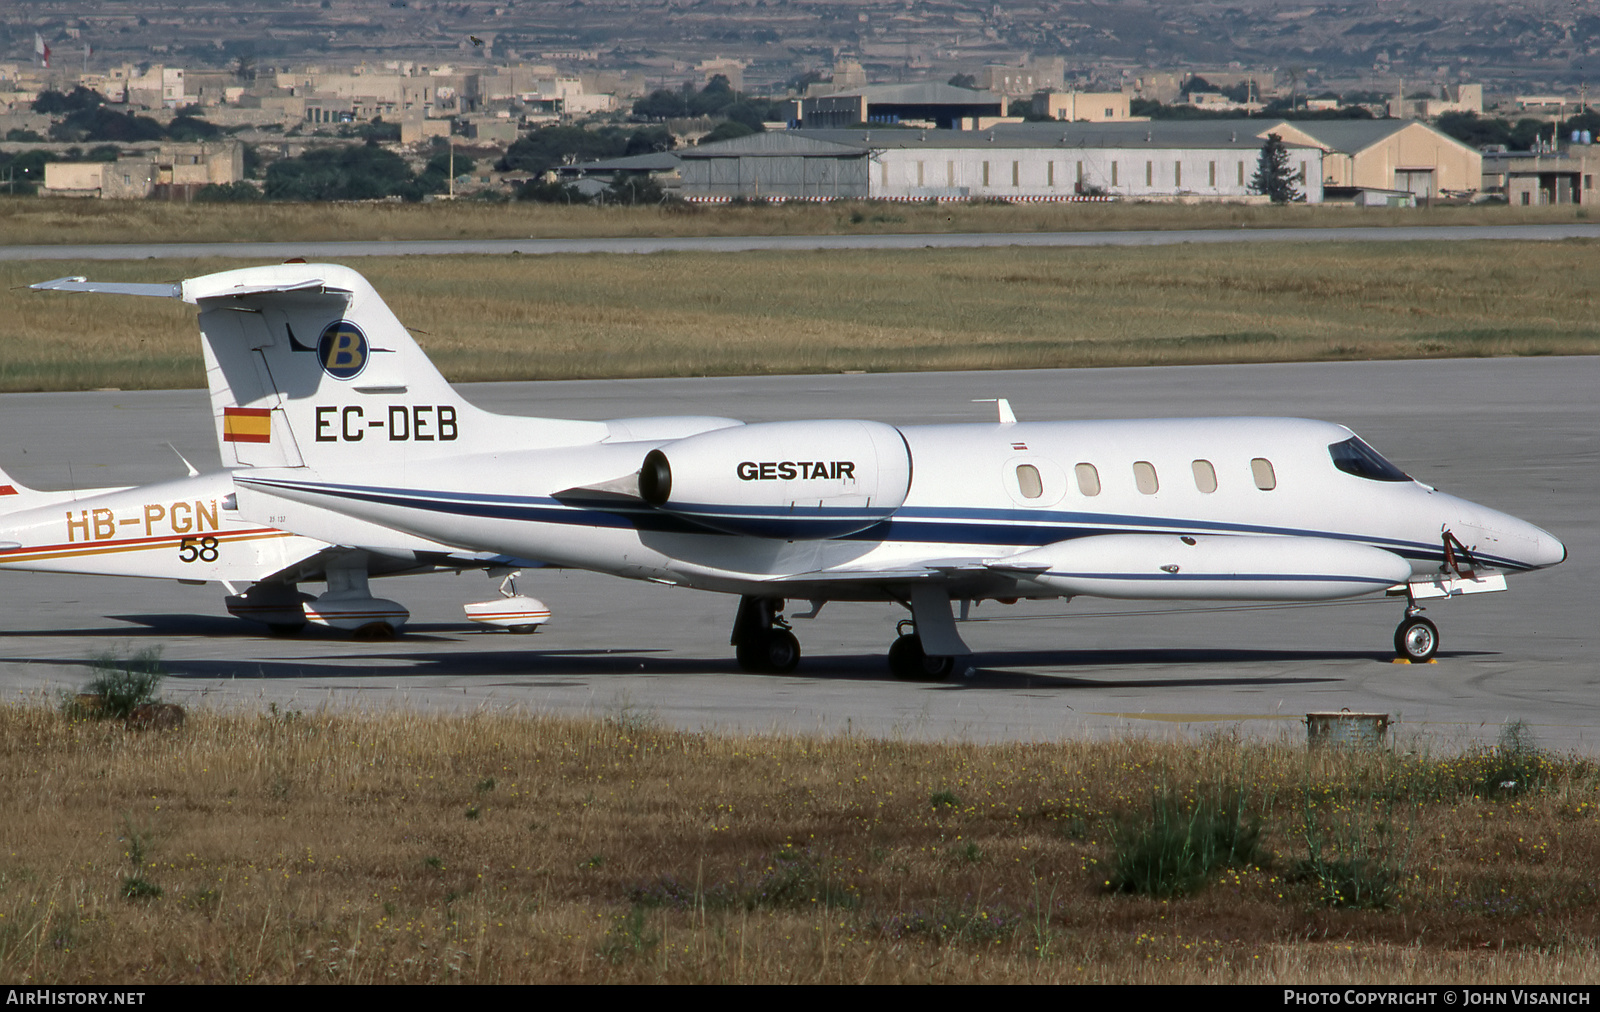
{"x":1416,"y":639}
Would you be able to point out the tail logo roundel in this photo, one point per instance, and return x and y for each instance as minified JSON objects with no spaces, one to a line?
{"x":342,"y":350}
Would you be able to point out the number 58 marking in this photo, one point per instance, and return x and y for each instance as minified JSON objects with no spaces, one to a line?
{"x":197,"y":550}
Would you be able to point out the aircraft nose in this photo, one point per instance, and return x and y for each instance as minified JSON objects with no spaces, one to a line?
{"x":1534,"y":547}
{"x":1551,"y":552}
{"x":1520,"y":544}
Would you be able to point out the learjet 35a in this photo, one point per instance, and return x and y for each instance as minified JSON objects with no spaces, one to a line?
{"x":354,"y":426}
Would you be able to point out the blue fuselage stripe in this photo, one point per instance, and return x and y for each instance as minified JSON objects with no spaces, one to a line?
{"x":913,"y":525}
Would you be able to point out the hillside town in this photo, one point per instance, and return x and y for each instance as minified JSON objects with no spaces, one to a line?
{"x":406,"y":101}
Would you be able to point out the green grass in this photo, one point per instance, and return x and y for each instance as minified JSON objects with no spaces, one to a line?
{"x":692,"y":314}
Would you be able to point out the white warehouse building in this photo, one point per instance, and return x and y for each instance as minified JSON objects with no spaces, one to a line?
{"x":1207,"y":160}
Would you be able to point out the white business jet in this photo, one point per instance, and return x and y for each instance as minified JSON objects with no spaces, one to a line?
{"x":357,"y":430}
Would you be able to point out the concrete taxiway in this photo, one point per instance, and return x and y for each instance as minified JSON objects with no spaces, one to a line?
{"x":337,"y":251}
{"x":1518,"y":435}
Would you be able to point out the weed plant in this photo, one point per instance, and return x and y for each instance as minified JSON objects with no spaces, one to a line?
{"x":1356,"y":853}
{"x":1179,"y":843}
{"x":120,"y":685}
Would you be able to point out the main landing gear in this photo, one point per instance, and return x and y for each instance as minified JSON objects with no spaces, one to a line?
{"x":926,"y":650}
{"x":909,"y":662}
{"x":761,"y":638}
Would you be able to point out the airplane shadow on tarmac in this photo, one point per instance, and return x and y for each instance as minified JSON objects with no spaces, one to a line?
{"x":489,"y":654}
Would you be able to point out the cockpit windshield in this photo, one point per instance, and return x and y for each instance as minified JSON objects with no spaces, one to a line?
{"x":1355,"y":457}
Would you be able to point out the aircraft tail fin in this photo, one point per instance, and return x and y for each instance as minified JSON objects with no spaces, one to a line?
{"x":14,"y":495}
{"x":308,"y":367}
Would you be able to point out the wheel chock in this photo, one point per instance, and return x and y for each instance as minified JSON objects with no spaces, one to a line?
{"x":1407,"y":660}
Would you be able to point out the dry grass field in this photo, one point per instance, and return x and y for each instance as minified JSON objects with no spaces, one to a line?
{"x":687,"y":314}
{"x":496,"y":847}
{"x":32,"y":220}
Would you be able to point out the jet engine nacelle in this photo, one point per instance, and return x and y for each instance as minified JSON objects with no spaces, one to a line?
{"x":791,"y":480}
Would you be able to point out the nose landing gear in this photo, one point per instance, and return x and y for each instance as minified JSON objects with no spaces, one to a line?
{"x":1416,"y":639}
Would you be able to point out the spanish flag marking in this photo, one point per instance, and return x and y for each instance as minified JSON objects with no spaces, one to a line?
{"x":247,"y":425}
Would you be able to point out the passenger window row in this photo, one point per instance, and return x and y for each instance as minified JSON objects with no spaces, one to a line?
{"x":1031,"y":484}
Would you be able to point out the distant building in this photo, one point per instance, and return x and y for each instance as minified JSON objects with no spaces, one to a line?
{"x":1387,"y":154}
{"x":1216,"y":101}
{"x":1199,"y":160}
{"x":1030,"y":77}
{"x":933,"y":104}
{"x":172,"y":168}
{"x":1083,"y":106}
{"x":1456,"y":98}
{"x":1527,"y":178}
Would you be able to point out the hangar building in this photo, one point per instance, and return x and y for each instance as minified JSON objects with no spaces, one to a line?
{"x":1388,"y":154}
{"x":942,"y":106}
{"x":1206,"y":159}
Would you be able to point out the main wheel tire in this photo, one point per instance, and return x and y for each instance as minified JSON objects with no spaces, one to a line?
{"x":909,"y":663}
{"x":775,"y":652}
{"x":1416,"y":639}
{"x":781,"y":651}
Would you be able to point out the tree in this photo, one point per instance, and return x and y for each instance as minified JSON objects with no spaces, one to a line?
{"x":228,"y":193}
{"x":634,"y":188}
{"x":727,"y":130}
{"x":192,"y":128}
{"x":1273,"y":176}
{"x":79,"y":99}
{"x":351,"y":172}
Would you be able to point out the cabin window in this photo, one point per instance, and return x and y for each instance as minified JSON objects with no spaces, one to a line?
{"x":1029,"y":482}
{"x":1205,"y":476}
{"x":1144,"y":476}
{"x":1088,"y":479}
{"x":1266,"y":478}
{"x":1355,"y":457}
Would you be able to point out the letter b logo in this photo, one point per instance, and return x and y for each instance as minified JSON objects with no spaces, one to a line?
{"x":342,"y":350}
